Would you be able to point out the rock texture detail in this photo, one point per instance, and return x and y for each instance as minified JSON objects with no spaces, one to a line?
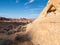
{"x":45,"y":30}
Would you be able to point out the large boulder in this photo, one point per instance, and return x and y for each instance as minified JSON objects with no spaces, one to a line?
{"x":45,"y":30}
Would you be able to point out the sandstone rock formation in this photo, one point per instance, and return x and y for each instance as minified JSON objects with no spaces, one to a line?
{"x":45,"y":30}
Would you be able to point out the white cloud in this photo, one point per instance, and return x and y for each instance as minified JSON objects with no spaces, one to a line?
{"x":17,"y":1}
{"x":30,"y":1}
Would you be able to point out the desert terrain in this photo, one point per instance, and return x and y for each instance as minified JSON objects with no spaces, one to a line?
{"x":12,"y":31}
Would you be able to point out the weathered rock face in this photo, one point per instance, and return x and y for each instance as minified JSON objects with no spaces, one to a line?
{"x":45,"y":30}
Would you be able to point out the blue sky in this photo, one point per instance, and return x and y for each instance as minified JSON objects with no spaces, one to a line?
{"x":21,"y":8}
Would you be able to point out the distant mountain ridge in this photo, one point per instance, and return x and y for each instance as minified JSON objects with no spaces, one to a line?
{"x":24,"y":20}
